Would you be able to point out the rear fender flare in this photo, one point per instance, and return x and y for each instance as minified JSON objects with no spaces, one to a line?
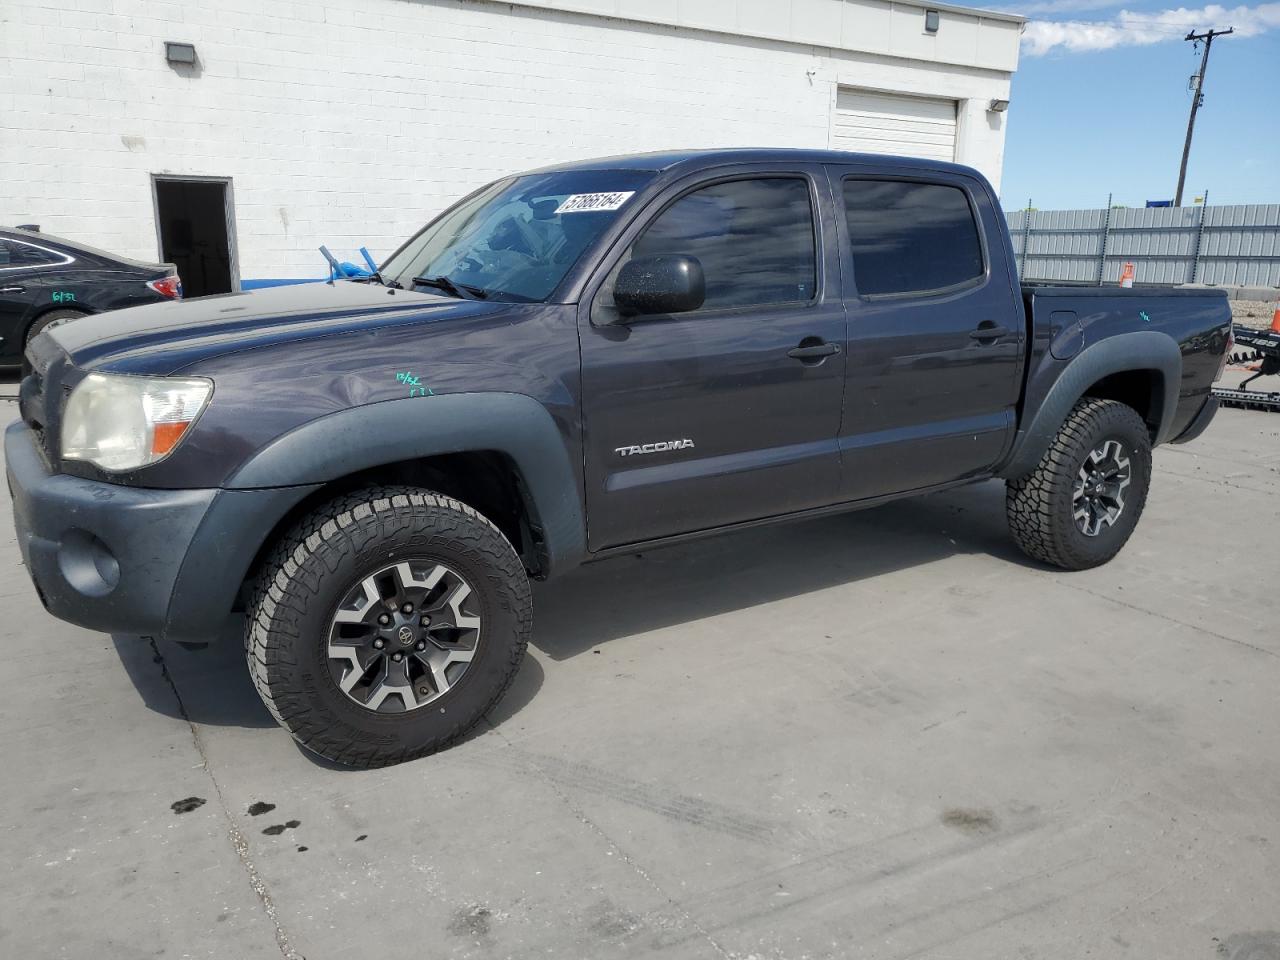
{"x":392,"y":431}
{"x":1142,"y":350}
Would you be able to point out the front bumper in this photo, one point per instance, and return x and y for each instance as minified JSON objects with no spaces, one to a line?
{"x":133,"y":560}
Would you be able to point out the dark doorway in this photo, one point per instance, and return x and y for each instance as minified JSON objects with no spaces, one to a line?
{"x":192,"y":217}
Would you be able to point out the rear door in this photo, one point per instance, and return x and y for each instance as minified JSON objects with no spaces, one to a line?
{"x":700,"y":419}
{"x":936,"y":337}
{"x":22,"y":269}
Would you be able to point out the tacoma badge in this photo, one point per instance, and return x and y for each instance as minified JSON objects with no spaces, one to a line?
{"x":662,"y":446}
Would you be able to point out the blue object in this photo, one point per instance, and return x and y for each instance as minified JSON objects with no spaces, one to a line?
{"x":346,"y":270}
{"x":276,"y":282}
{"x":1159,"y":203}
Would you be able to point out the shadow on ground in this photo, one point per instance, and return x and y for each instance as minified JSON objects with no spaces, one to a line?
{"x":631,"y":595}
{"x":635,"y":594}
{"x":212,"y":685}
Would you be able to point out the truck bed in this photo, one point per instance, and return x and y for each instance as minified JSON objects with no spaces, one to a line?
{"x":1191,"y":328}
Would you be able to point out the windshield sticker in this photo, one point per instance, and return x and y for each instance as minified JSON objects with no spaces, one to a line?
{"x":415,"y":385}
{"x":593,"y":202}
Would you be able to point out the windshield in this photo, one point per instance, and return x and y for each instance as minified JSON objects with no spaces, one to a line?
{"x":516,"y":238}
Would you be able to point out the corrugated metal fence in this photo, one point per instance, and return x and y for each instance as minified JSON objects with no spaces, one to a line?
{"x":1230,"y":246}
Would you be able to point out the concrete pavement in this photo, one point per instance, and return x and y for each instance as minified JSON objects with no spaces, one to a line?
{"x":880,"y":735}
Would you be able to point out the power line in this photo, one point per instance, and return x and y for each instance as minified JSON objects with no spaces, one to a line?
{"x":1198,"y":99}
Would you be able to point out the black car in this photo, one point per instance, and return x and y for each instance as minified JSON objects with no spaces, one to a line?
{"x":46,"y":280}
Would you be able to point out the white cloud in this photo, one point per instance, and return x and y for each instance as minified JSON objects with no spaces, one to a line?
{"x":1054,"y":7}
{"x":1131,"y":28}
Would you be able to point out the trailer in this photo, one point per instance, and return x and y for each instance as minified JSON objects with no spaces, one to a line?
{"x":1263,"y":348}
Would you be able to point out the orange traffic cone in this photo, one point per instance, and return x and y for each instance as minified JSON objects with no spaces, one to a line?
{"x":1275,"y":321}
{"x":1126,"y":275}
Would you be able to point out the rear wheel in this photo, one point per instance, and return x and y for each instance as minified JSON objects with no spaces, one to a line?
{"x":52,"y":319}
{"x":1083,"y":500}
{"x":386,"y":625}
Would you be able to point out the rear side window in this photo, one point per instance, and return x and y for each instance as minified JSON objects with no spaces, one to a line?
{"x":910,"y":237}
{"x":15,"y":253}
{"x":754,"y":239}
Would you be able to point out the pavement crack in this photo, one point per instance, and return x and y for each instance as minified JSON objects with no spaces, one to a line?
{"x":595,"y":828}
{"x":1167,"y":618}
{"x":239,"y":841}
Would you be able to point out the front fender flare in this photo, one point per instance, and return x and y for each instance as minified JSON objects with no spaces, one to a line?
{"x":1142,"y":350}
{"x":391,"y":431}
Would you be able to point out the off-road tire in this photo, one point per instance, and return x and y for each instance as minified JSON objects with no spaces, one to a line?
{"x":303,"y":580}
{"x":1039,"y":505}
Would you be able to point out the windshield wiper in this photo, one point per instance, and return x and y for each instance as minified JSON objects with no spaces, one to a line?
{"x":463,"y":291}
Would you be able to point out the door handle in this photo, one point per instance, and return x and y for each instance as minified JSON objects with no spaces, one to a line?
{"x":812,"y":348}
{"x":12,"y":289}
{"x":989,"y":331}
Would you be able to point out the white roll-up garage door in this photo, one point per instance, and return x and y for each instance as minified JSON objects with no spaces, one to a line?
{"x":888,"y":123}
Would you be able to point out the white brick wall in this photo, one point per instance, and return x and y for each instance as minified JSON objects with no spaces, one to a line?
{"x":351,"y":123}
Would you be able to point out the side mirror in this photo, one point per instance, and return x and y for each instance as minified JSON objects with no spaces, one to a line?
{"x":670,"y":284}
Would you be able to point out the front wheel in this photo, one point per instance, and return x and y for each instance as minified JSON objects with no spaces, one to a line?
{"x":387,"y":624}
{"x":1077,"y":508}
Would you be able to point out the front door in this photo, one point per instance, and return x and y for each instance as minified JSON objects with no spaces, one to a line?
{"x":730,"y":412}
{"x":936,"y":333}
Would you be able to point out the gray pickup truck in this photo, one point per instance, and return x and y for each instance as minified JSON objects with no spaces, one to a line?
{"x":565,"y":365}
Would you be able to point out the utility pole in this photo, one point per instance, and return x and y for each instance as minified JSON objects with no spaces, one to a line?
{"x":1198,"y":99}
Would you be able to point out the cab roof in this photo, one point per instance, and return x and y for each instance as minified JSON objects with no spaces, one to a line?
{"x":692,"y":160}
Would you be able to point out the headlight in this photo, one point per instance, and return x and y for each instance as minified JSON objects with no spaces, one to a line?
{"x":123,"y":423}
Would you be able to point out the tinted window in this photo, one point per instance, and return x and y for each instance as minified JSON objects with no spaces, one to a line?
{"x":13,"y":253}
{"x":910,"y":237}
{"x":754,"y":239}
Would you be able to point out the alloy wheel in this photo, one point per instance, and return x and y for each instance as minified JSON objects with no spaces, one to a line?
{"x":1098,"y":498}
{"x":403,"y":636}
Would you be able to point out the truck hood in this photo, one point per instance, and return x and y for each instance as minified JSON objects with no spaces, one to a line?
{"x":160,"y":339}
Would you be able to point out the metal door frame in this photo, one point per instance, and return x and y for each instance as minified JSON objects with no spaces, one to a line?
{"x":228,"y":207}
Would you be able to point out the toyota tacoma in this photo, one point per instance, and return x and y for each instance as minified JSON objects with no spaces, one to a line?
{"x":569,"y":364}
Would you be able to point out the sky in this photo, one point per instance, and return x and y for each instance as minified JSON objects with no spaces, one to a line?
{"x":1100,"y":103}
